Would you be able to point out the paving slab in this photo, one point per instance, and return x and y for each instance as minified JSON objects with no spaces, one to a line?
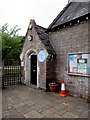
{"x":55,"y":116}
{"x":22,"y":101}
{"x":24,"y":109}
{"x":39,"y":115}
{"x":47,"y":113}
{"x":69,"y":115}
{"x":31,"y":113}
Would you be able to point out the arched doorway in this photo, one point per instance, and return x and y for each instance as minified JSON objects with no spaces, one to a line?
{"x":31,"y":66}
{"x":33,"y":69}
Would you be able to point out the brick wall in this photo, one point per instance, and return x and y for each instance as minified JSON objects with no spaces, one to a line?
{"x":70,"y":40}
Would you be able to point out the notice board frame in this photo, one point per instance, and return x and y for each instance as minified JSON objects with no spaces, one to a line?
{"x":68,"y":65}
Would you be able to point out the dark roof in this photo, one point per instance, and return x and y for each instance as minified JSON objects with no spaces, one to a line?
{"x":44,"y":38}
{"x":72,"y":11}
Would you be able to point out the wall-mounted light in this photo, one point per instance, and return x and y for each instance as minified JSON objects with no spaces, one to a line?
{"x":30,"y":26}
{"x":78,"y":21}
{"x":70,"y":23}
{"x":86,"y":18}
{"x":64,"y":26}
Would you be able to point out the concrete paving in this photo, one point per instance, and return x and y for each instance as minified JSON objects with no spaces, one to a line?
{"x":26,"y":102}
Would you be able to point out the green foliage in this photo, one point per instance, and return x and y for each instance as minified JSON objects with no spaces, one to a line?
{"x":11,"y":42}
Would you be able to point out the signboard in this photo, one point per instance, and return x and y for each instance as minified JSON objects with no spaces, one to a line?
{"x":42,"y":56}
{"x":79,"y":63}
{"x":22,"y":63}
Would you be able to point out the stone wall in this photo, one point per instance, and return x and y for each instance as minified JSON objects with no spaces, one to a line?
{"x":42,"y":75}
{"x":29,"y":47}
{"x":50,"y":70}
{"x":70,"y":40}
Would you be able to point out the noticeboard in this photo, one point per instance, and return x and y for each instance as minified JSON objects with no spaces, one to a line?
{"x":79,"y":64}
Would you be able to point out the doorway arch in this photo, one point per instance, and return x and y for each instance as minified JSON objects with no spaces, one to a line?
{"x":29,"y":56}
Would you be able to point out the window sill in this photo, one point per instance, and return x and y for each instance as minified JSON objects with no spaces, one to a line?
{"x":76,"y":74}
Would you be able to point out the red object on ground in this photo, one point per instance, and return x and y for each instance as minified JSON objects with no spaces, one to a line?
{"x":63,"y":93}
{"x":53,"y":87}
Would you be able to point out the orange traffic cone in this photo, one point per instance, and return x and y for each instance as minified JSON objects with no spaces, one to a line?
{"x":63,"y":93}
